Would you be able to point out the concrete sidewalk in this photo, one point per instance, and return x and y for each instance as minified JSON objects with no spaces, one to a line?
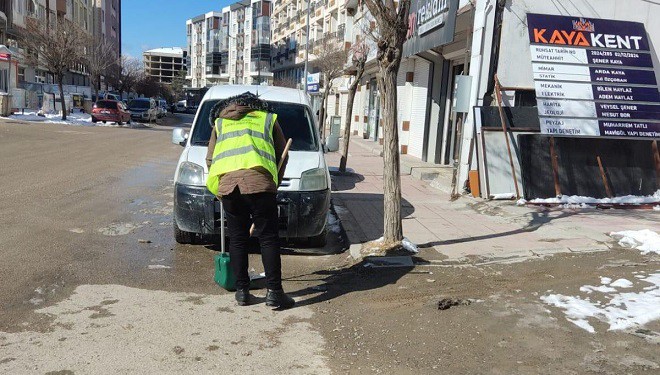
{"x":470,"y":227}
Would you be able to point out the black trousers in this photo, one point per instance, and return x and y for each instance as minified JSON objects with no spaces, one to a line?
{"x":241,"y":211}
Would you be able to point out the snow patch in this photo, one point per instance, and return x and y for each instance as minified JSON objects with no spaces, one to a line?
{"x":158,"y":267}
{"x":645,"y":240}
{"x":622,"y":283}
{"x":408,"y":245}
{"x":576,"y":199}
{"x":334,"y":224}
{"x":80,"y":119}
{"x":623,"y":310}
{"x":502,"y":196}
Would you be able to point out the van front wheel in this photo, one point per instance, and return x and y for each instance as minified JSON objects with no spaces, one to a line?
{"x":317,"y":241}
{"x":183,"y":237}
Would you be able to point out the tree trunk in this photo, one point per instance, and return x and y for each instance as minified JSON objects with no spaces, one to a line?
{"x":391,"y":170}
{"x":96,"y":89}
{"x":62,"y":101}
{"x":347,"y":125}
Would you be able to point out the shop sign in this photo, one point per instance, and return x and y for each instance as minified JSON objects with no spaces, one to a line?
{"x":313,"y":82}
{"x":593,"y":77}
{"x":431,"y":24}
{"x":5,"y":56}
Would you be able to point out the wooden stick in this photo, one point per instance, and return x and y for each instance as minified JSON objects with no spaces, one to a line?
{"x":279,"y":166}
{"x":608,"y":191}
{"x":498,"y":95}
{"x":555,"y":166}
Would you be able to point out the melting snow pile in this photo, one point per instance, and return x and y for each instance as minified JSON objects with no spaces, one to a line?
{"x":408,"y":245}
{"x":619,"y":309}
{"x":646,"y":241}
{"x":54,"y":118}
{"x":583,"y":201}
{"x":503,"y":196}
{"x":334,"y":224}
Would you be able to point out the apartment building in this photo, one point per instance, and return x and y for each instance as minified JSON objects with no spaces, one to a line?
{"x":107,"y":22}
{"x":164,"y":64}
{"x":28,"y":83}
{"x":327,"y":19}
{"x":231,"y":46}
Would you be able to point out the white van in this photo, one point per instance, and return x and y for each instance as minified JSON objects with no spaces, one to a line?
{"x":304,"y":195}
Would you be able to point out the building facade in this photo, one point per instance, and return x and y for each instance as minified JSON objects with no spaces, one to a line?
{"x":163,"y":64}
{"x":231,"y":46}
{"x":327,"y":19}
{"x":28,"y":83}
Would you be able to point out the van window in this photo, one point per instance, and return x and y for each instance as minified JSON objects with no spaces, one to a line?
{"x":294,"y":119}
{"x":139,"y":104}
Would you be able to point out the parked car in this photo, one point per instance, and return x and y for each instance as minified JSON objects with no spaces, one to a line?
{"x":110,"y":111}
{"x":162,"y":108}
{"x":179,"y":106}
{"x":143,"y":109}
{"x":304,"y":195}
{"x":192,"y":109}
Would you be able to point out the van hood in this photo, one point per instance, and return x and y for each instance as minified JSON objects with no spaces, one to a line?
{"x":299,"y":161}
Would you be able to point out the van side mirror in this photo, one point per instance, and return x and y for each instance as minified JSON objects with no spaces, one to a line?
{"x":179,"y":136}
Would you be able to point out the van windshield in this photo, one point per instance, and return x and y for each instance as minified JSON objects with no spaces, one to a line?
{"x":139,"y":104}
{"x":294,"y":119}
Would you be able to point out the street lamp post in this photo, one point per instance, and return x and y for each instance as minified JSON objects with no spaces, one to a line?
{"x":309,"y":5}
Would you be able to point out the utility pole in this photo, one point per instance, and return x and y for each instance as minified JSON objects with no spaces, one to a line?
{"x":309,"y":5}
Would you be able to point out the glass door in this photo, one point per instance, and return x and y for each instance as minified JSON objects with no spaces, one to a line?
{"x":374,"y":110}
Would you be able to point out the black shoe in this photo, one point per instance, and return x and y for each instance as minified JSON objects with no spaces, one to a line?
{"x":243,"y":296}
{"x":279,"y":299}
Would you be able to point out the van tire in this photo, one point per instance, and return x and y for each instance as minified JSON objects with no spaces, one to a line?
{"x":185,"y":238}
{"x":317,"y":241}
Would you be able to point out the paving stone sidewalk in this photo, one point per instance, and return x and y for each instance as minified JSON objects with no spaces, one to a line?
{"x":469,"y":227}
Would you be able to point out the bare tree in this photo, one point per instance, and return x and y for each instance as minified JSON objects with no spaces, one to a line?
{"x":359,"y":53}
{"x":125,"y":75}
{"x":330,"y":61}
{"x":286,"y":82}
{"x":57,"y":49}
{"x":392,"y":26}
{"x":100,"y":57}
{"x":179,"y":84}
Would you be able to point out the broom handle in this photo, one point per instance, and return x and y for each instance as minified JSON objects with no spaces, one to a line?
{"x":279,"y":167}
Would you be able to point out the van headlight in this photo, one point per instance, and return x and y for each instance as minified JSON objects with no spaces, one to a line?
{"x":191,"y":174}
{"x":314,"y":180}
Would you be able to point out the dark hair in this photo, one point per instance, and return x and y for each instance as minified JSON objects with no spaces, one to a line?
{"x":246,"y":99}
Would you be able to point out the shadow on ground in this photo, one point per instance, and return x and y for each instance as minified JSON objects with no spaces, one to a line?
{"x":340,"y":282}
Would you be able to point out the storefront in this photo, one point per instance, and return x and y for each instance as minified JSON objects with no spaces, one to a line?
{"x":434,"y":54}
{"x":580,"y":100}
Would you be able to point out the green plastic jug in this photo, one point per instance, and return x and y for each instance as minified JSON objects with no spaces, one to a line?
{"x":224,"y":276}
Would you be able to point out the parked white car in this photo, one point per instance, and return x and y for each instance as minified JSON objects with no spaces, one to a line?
{"x":180,"y":106}
{"x":304,"y":195}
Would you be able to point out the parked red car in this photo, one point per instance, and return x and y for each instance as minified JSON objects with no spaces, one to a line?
{"x":110,"y":111}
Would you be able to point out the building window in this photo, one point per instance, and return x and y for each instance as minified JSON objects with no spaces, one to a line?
{"x":21,"y":74}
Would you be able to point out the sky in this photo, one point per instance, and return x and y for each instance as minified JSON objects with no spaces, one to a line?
{"x":148,"y":24}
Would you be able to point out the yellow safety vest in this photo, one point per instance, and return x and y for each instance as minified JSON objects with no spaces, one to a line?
{"x":243,"y":144}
